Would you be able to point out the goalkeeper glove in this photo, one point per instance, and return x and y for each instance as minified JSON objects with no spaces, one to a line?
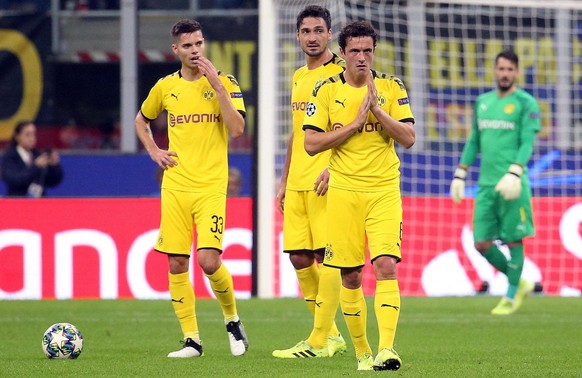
{"x":458,"y":185}
{"x":510,"y":184}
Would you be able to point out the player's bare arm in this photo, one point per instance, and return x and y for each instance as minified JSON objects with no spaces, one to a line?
{"x":401,"y":132}
{"x":316,"y":142}
{"x":234,"y":121}
{"x":161,"y":157}
{"x":285,"y":175}
{"x":321,"y":184}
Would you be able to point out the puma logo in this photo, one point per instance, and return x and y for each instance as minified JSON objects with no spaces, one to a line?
{"x":389,"y":305}
{"x":217,"y":238}
{"x":181,"y":300}
{"x":173,"y":95}
{"x":318,"y":304}
{"x":341,"y":102}
{"x":222,"y":291}
{"x":356,"y":314}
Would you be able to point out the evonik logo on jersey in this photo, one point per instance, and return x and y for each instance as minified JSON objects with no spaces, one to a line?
{"x":192,"y":118}
{"x":369,"y":127}
{"x":301,"y":105}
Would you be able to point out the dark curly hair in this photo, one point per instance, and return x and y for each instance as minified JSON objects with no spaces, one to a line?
{"x":356,"y":29}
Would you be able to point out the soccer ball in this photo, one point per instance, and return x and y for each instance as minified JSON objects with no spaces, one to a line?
{"x":62,"y":340}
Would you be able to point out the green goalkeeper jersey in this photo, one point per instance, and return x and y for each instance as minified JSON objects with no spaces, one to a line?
{"x":503,"y":133}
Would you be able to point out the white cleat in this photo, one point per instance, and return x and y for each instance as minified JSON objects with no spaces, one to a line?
{"x":191,"y":349}
{"x":239,"y":343}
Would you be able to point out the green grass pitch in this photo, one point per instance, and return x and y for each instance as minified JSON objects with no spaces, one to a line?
{"x":437,"y":337}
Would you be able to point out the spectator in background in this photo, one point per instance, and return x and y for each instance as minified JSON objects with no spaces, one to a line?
{"x":26,"y":170}
{"x":234,"y":182}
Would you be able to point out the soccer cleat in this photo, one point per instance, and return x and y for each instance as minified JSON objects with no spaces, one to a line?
{"x":190,"y":349}
{"x":336,"y":345}
{"x":366,"y":362}
{"x":302,"y":350}
{"x":387,"y":359}
{"x":504,"y":307}
{"x":524,"y":288}
{"x":239,"y":342}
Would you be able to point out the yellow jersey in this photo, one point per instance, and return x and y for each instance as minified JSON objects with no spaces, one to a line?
{"x":304,"y":169}
{"x":196,"y":130}
{"x":366,"y":161}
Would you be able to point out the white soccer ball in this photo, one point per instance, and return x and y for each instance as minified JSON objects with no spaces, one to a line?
{"x":62,"y":340}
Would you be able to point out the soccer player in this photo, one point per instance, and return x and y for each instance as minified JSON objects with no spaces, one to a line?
{"x":204,"y":108}
{"x":360,"y":115}
{"x":505,"y":123}
{"x":301,"y":196}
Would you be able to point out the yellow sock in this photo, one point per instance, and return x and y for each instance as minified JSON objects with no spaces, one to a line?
{"x":387,"y":308}
{"x":327,"y":302}
{"x":308,"y":282}
{"x":183,"y":301}
{"x":356,"y":313}
{"x":221,"y":284}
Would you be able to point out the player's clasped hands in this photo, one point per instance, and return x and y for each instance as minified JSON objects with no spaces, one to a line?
{"x":369,"y":102}
{"x":365,"y":107}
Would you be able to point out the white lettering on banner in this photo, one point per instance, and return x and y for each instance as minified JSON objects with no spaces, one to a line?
{"x":236,"y":236}
{"x":457,"y":282}
{"x":28,"y":271}
{"x":569,"y":226}
{"x":30,"y":242}
{"x":136,"y":267}
{"x":105,"y":247}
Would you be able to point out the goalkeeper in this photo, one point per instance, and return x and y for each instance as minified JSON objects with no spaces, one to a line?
{"x":505,"y":122}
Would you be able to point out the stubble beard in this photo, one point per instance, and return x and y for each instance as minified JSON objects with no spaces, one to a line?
{"x":504,"y":88}
{"x":316,"y":54}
